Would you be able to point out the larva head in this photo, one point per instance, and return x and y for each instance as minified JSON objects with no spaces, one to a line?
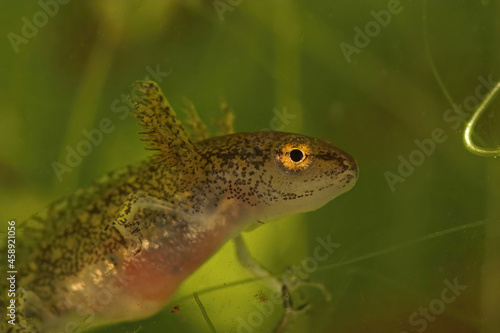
{"x":275,"y":174}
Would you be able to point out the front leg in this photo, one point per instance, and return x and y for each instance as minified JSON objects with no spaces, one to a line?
{"x":274,"y":283}
{"x":255,"y":268}
{"x":289,"y":283}
{"x":131,"y":228}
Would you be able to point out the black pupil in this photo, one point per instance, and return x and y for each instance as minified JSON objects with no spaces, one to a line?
{"x":296,"y":155}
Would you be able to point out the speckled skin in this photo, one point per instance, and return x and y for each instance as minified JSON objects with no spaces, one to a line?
{"x":118,"y":249}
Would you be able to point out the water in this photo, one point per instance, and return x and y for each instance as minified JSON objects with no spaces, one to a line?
{"x":418,"y":235}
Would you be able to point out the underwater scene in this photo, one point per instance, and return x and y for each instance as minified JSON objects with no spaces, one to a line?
{"x":389,"y":222}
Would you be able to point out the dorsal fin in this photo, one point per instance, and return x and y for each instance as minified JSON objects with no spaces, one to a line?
{"x":162,"y":130}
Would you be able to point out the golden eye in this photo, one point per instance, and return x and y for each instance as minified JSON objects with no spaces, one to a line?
{"x":294,"y":156}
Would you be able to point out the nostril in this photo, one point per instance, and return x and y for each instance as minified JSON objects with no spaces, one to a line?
{"x":353,"y":165}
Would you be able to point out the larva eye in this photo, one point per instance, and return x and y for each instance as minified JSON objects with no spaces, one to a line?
{"x":297,"y":155}
{"x":294,"y":156}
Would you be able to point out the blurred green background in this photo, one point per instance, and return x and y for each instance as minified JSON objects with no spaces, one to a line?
{"x":265,"y":58}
